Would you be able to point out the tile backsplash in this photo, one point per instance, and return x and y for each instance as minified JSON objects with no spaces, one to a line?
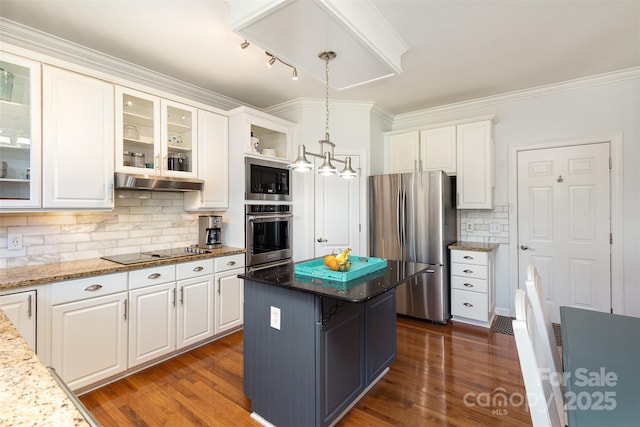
{"x":141,"y":221}
{"x":488,"y":226}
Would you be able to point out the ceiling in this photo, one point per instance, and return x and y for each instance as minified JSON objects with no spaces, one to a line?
{"x":457,"y":50}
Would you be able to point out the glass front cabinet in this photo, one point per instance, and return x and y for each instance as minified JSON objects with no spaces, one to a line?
{"x":155,"y":136}
{"x":20,"y":132}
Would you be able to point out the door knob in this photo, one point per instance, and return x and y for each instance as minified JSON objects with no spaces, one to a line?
{"x":524,"y":247}
{"x":320,"y":240}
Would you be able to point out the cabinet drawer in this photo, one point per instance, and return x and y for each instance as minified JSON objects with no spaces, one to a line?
{"x":152,"y":276}
{"x":470,"y":284}
{"x":469,"y":270}
{"x":229,"y":262}
{"x":471,"y":305}
{"x":88,"y":287}
{"x":201,"y":267}
{"x":470,"y":257}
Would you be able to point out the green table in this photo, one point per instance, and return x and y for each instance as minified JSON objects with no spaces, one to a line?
{"x":601,"y":362}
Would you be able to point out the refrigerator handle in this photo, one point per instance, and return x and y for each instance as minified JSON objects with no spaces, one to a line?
{"x":399,"y":212}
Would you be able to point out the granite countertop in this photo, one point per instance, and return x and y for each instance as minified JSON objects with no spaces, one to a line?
{"x":473,"y":246}
{"x":29,"y":394}
{"x":47,"y":273}
{"x":356,"y":290}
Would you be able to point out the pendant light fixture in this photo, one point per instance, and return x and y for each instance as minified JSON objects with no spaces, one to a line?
{"x":301,"y":164}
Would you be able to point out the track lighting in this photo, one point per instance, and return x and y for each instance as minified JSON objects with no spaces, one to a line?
{"x":245,"y":44}
{"x":301,"y":164}
{"x":294,"y":76}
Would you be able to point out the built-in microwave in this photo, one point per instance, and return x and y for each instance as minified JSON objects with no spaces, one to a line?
{"x":266,"y":180}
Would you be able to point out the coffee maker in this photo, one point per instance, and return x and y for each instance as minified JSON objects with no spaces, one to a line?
{"x":210,"y":230}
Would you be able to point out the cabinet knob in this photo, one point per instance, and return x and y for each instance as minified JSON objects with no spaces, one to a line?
{"x":468,"y":271}
{"x":93,"y":288}
{"x":468,"y":285}
{"x":154,"y":276}
{"x":468,"y":257}
{"x":230,"y":263}
{"x":524,"y":247}
{"x":198,"y":268}
{"x":320,"y":240}
{"x":468,"y":304}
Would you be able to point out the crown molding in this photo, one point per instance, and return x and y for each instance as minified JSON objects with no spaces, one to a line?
{"x":52,"y":47}
{"x":407,"y":119}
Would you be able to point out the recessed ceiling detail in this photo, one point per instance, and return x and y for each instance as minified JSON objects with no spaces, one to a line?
{"x":296,"y":30}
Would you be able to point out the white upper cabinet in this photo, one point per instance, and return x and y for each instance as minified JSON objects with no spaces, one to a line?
{"x":475,"y":181}
{"x":403,"y":152}
{"x":20,"y":141}
{"x":438,"y":149}
{"x":213,"y":163}
{"x":155,"y":135}
{"x":78,"y":140}
{"x":465,"y":150}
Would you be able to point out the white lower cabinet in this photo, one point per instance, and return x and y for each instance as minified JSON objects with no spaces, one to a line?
{"x":195,"y":302}
{"x":171,"y":308}
{"x":152,"y":328}
{"x":103,"y":325}
{"x":20,"y":309}
{"x":229,"y":293}
{"x":472,"y":287}
{"x":89,"y":329}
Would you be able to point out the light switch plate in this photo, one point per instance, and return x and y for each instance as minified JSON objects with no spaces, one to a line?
{"x":275,"y":318}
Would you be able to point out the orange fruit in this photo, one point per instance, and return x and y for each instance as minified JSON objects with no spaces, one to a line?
{"x":333,"y":264}
{"x":329,"y":259}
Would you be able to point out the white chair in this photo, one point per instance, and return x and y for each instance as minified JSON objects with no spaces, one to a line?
{"x":537,"y":381}
{"x":547,"y":342}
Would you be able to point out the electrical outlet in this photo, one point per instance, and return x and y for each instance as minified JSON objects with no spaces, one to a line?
{"x":14,"y":241}
{"x":469,"y":226}
{"x":494,"y":227}
{"x":275,"y":318}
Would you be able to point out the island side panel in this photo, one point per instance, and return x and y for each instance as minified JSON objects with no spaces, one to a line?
{"x":280,"y":365}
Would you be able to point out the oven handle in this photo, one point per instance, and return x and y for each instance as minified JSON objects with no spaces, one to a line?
{"x":267,"y":217}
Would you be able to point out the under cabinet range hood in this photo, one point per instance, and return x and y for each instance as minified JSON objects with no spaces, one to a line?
{"x":128,"y":181}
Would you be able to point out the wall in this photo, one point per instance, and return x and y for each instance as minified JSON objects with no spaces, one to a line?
{"x":157,"y":222}
{"x":598,"y":107}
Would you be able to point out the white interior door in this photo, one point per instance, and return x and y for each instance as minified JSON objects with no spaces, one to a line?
{"x":564,"y":224}
{"x":337,"y":212}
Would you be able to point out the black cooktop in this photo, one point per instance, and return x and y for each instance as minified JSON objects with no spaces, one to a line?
{"x":141,"y":257}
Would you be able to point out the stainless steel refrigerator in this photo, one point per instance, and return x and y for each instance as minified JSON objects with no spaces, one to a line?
{"x":413,"y":218}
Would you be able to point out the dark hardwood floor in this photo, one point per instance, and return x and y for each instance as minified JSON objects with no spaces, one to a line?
{"x":448,"y":375}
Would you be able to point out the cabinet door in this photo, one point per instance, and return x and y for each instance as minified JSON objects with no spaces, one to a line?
{"x":380,"y":321}
{"x":137,"y":131}
{"x":179,"y":136}
{"x":20,"y":309}
{"x":438,"y":149}
{"x":89,"y":339}
{"x":20,"y":157}
{"x":213,"y":161}
{"x":152,"y":328}
{"x":195,"y":310}
{"x":78,"y":140}
{"x":475,"y":165}
{"x":229,"y":299}
{"x":404,"y":152}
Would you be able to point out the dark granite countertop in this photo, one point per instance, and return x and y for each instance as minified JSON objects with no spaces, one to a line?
{"x":356,"y":290}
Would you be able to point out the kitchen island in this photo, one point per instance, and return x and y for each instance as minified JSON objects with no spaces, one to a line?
{"x":313,"y":347}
